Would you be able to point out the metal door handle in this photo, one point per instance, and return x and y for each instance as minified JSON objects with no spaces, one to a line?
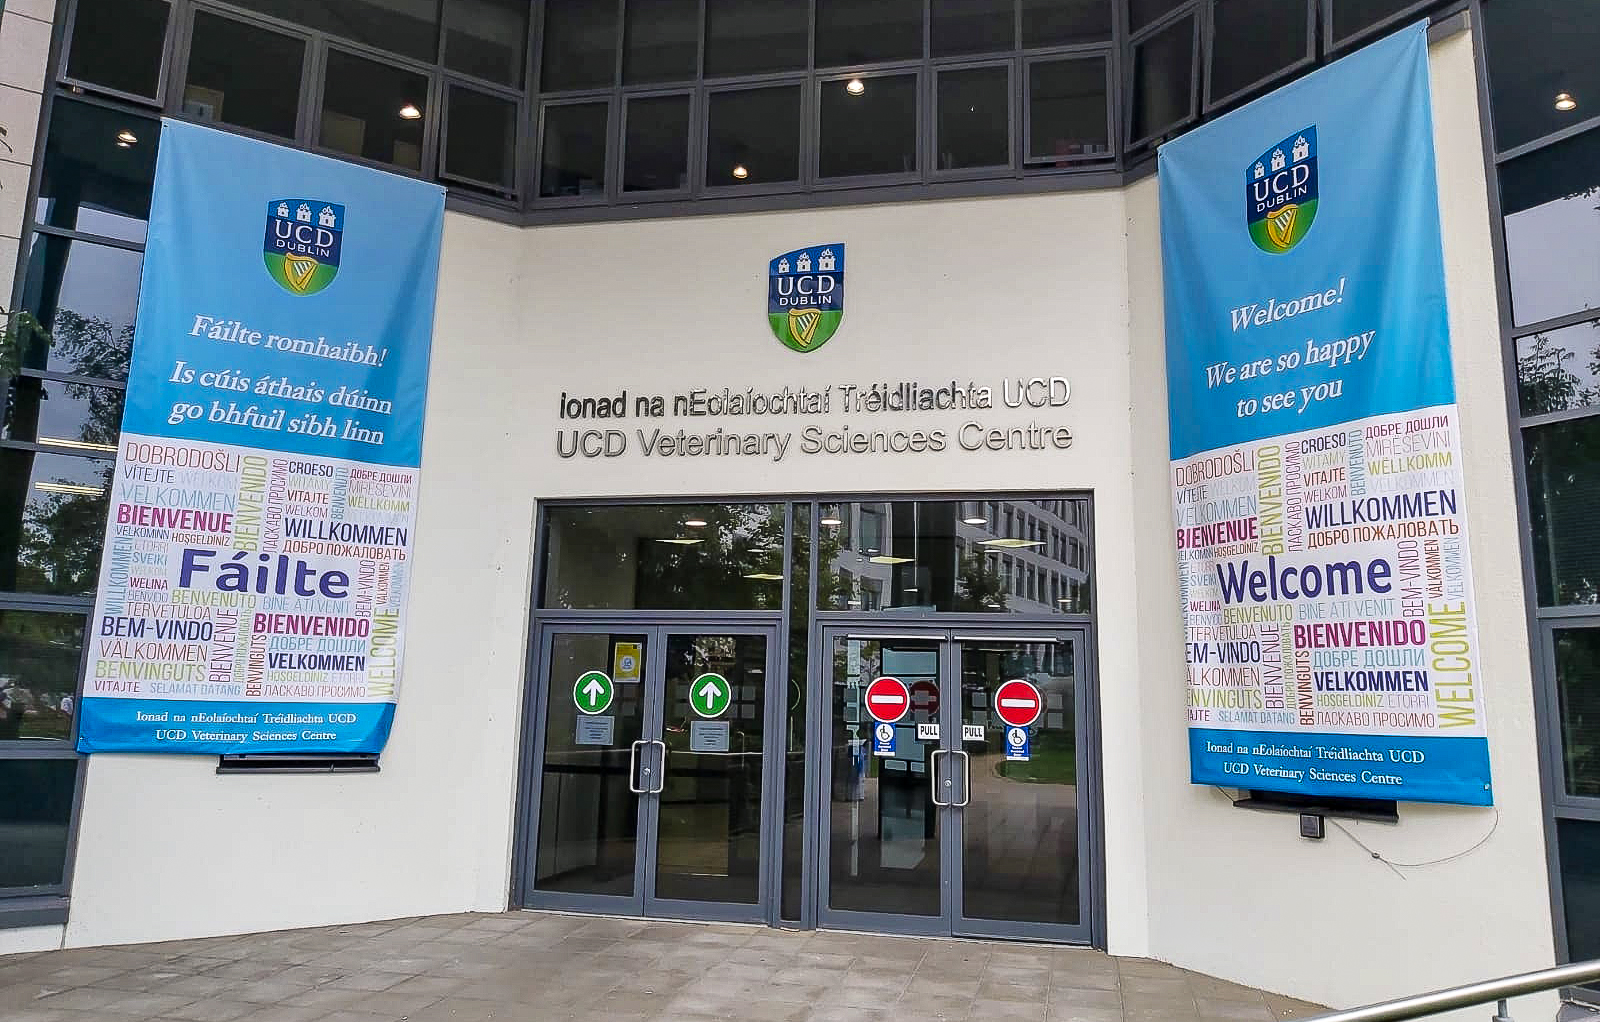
{"x":933,"y":777}
{"x":633,"y":767}
{"x":966,"y":778}
{"x":662,"y":777}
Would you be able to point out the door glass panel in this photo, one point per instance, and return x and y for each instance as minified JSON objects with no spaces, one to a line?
{"x":883,"y":853}
{"x":588,"y":815}
{"x":1020,"y":826}
{"x":709,"y":824}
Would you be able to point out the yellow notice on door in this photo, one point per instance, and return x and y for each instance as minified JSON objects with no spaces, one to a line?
{"x":625,"y":663}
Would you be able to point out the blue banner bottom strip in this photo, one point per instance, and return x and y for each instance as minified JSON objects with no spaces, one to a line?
{"x":231,"y":728}
{"x":1404,"y":768}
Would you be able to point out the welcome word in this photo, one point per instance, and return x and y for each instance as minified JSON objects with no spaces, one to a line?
{"x":233,"y":331}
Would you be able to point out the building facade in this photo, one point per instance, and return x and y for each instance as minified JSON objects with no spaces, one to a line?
{"x":621,"y":177}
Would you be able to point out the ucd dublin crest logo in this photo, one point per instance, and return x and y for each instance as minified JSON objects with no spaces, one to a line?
{"x":805,"y":295}
{"x":1280,"y":191}
{"x":302,"y":246}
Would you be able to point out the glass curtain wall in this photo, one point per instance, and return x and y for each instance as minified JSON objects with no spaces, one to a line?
{"x":535,"y":105}
{"x":1544,"y":93}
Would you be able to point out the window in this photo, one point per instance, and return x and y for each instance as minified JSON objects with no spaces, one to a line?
{"x":749,"y":38}
{"x":1577,"y":663}
{"x":1254,"y":41}
{"x":919,"y":552}
{"x":41,"y":652}
{"x":1559,"y":370}
{"x":580,"y":45}
{"x":1540,"y":51}
{"x":243,"y":75}
{"x":756,"y":131}
{"x":374,"y":110}
{"x":972,"y":26}
{"x":1562,"y":461}
{"x":1065,"y":22}
{"x":1351,"y":17}
{"x":1163,"y":70}
{"x":868,"y":31}
{"x":407,"y":27}
{"x":1066,"y":104}
{"x":573,"y":153}
{"x":481,"y":139}
{"x":34,"y":819}
{"x":1146,"y":12}
{"x":974,"y":118}
{"x":91,"y":182}
{"x":119,"y":44}
{"x":870,"y":130}
{"x":655,"y":156}
{"x":67,"y":416}
{"x":52,"y":522}
{"x":1578,"y":846}
{"x":1552,"y":225}
{"x":664,"y":557}
{"x":86,"y":295}
{"x":487,"y":39}
{"x":661,"y":41}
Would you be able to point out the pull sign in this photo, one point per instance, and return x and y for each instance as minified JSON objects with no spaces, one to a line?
{"x":972,"y":732}
{"x":927,"y":732}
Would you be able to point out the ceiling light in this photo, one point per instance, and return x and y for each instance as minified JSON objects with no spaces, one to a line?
{"x":740,"y":171}
{"x":855,"y":603}
{"x":410,"y":112}
{"x":910,"y":589}
{"x":885,"y":559}
{"x":127,"y":137}
{"x":976,"y":520}
{"x":681,"y":541}
{"x":764,"y":576}
{"x":1565,"y":102}
{"x":1010,"y":544}
{"x":695,"y":523}
{"x":832,"y":521}
{"x":855,"y":86}
{"x":88,"y":491}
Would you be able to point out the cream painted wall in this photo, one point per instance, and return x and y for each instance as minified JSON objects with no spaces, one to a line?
{"x":1048,"y":285}
{"x":1239,"y":894}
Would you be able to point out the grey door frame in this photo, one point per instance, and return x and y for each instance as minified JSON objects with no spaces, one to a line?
{"x":657,"y":629}
{"x":952,"y":920}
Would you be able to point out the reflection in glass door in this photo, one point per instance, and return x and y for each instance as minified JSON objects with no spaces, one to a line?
{"x":949,"y":819}
{"x":1020,"y":831}
{"x":652,"y":772}
{"x":884,"y":822}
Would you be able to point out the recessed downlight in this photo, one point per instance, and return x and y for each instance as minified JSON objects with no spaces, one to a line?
{"x":740,"y":171}
{"x":1565,"y":103}
{"x":126,"y":137}
{"x":855,"y":86}
{"x":410,"y":112}
{"x":695,"y":523}
{"x":975,"y":520}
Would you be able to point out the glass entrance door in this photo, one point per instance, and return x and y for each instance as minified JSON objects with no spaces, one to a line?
{"x":957,"y":811}
{"x":652,"y":771}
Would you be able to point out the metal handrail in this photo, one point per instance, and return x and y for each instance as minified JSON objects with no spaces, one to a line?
{"x":1482,"y":992}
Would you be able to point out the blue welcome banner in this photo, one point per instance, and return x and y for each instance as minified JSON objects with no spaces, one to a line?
{"x":257,"y":552}
{"x":1316,"y":459}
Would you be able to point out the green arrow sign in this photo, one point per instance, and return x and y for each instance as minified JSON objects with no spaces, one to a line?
{"x":710,"y":695}
{"x":592,"y":692}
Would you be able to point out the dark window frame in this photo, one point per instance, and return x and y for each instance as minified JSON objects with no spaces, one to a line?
{"x":1033,"y":165}
{"x":800,"y":82}
{"x":606,"y":195}
{"x":432,"y":115}
{"x":975,"y":62}
{"x":693,"y":155}
{"x":918,"y":70}
{"x":1210,"y":104}
{"x":182,"y":61}
{"x":509,"y":193}
{"x":164,"y":74}
{"x":1147,"y":142}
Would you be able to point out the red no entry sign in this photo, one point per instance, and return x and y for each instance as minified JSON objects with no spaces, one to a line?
{"x":1018,"y":703}
{"x":888,"y":700}
{"x":925,"y":697}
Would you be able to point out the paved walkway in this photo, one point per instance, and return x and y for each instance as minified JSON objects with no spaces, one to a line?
{"x":537,"y":967}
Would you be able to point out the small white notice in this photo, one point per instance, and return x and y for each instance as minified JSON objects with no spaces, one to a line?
{"x":927,"y":732}
{"x":972,"y":732}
